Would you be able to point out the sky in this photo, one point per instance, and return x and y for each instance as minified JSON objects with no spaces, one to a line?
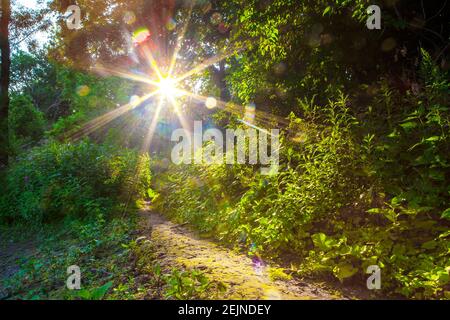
{"x":41,"y":37}
{"x":27,"y":3}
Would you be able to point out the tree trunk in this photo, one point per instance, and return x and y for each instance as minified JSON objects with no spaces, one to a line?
{"x":218,"y":77}
{"x":4,"y":79}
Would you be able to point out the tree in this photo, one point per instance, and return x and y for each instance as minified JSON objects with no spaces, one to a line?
{"x":4,"y":78}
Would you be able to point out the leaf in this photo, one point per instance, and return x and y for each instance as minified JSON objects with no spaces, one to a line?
{"x":393,"y":134}
{"x":375,"y":210}
{"x":445,"y":234}
{"x":434,"y":138}
{"x":326,"y":11}
{"x":100,"y":292}
{"x":83,"y":294}
{"x":446,"y":214}
{"x":387,"y":213}
{"x":151,"y":193}
{"x":408,"y":125}
{"x":344,"y":270}
{"x":321,"y":241}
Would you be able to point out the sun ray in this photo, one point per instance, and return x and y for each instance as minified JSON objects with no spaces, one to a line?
{"x":102,"y":120}
{"x":151,"y":129}
{"x":237,"y":109}
{"x":124,"y":74}
{"x":206,"y":64}
{"x":152,"y":62}
{"x":179,"y":41}
{"x":176,"y":106}
{"x":144,"y":149}
{"x":131,"y":126}
{"x":255,"y":127}
{"x":166,"y":87}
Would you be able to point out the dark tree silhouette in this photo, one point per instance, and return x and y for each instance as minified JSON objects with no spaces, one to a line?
{"x":4,"y":77}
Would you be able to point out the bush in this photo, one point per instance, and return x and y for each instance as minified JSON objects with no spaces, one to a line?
{"x":26,"y":122}
{"x":71,"y":180}
{"x":341,"y":202}
{"x":271,"y":211}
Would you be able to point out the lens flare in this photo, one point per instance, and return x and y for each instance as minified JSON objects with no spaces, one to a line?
{"x":83,"y":90}
{"x":211,"y":103}
{"x":171,"y":24}
{"x":129,"y":17}
{"x":140,"y":35}
{"x":250,"y":113}
{"x":167,"y":87}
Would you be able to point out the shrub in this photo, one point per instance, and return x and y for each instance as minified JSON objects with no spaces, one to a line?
{"x":26,"y":122}
{"x":70,"y":180}
{"x":344,"y":199}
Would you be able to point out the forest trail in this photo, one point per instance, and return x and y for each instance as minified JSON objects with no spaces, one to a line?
{"x":176,"y":246}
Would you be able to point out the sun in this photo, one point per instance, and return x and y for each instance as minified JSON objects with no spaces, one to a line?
{"x":166,"y":83}
{"x":167,"y":87}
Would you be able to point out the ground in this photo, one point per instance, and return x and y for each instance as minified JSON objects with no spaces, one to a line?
{"x":244,"y":278}
{"x":171,"y":246}
{"x":11,"y":253}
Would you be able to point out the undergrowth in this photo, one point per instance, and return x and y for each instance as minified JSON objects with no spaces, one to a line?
{"x":354,"y":189}
{"x":78,"y":200}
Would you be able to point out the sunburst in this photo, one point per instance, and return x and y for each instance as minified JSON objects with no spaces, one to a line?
{"x":167,"y":86}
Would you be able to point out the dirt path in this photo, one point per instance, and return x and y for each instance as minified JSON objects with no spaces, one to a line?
{"x":245,"y":278}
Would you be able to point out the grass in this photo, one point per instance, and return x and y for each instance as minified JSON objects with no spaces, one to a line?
{"x":97,"y":247}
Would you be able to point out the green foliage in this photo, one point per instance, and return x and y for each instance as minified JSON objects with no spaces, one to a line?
{"x":94,"y":294}
{"x":364,"y":173}
{"x":271,"y":212}
{"x":412,"y":153}
{"x":97,"y":246}
{"x":347,"y":196}
{"x":183,"y":285}
{"x":71,"y":180}
{"x":60,"y":91}
{"x":278,"y":274}
{"x":65,"y":124}
{"x":168,"y":284}
{"x":26,"y":122}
